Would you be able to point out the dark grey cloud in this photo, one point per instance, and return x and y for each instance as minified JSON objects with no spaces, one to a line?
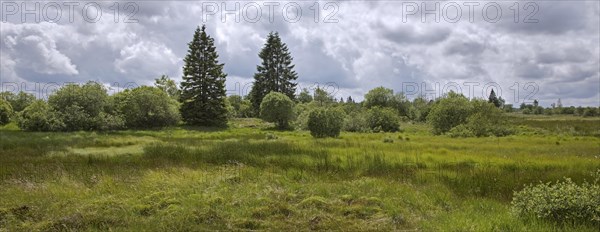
{"x":465,"y":48}
{"x":409,"y":34}
{"x":546,"y":17}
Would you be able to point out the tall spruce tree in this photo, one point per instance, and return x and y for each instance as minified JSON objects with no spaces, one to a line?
{"x":203,"y":86}
{"x":275,"y":73}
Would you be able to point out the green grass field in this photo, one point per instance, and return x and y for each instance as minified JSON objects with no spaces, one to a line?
{"x":189,"y":179}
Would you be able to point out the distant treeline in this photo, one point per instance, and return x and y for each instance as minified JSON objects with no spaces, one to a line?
{"x":200,"y":100}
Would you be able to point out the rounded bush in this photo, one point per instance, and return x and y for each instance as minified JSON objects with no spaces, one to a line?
{"x":486,"y":120}
{"x":39,"y":116}
{"x":561,"y":202}
{"x":79,"y":106}
{"x":448,"y":112}
{"x":277,"y":108}
{"x":147,"y":107}
{"x":383,"y":119}
{"x":325,"y":122}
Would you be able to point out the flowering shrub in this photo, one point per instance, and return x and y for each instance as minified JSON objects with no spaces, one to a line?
{"x":561,"y":202}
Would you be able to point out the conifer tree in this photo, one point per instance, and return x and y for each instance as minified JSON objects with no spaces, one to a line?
{"x":493,"y":99}
{"x":203,"y":86}
{"x":275,"y":73}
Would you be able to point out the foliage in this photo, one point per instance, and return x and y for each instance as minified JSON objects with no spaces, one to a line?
{"x":203,"y":86}
{"x":486,"y":120}
{"x":304,"y":96}
{"x":380,"y":96}
{"x":325,"y":122}
{"x":19,"y":101}
{"x":108,"y":121}
{"x":278,"y":108}
{"x":356,"y":121}
{"x":242,"y":108}
{"x":447,"y":112}
{"x":384,"y":97}
{"x":146,"y":107}
{"x":6,"y":112}
{"x":590,"y":112}
{"x":39,"y":116}
{"x":275,"y":73}
{"x":322,"y":97}
{"x":79,"y":106}
{"x":562,"y":202}
{"x":383,"y":119}
{"x":419,"y":109}
{"x":494,"y":99}
{"x":301,"y":111}
{"x":168,"y":85}
{"x":460,"y":131}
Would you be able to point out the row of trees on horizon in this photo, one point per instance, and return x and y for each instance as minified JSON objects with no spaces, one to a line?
{"x":200,"y":100}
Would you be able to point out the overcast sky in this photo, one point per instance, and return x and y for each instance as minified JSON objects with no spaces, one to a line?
{"x":551,"y":52}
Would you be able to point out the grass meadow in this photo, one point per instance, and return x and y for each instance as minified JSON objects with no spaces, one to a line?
{"x":250,"y":177}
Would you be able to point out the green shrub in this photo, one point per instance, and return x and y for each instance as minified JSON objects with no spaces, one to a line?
{"x":561,"y":202}
{"x":383,"y":119}
{"x":460,"y":131}
{"x":384,"y":97}
{"x":110,"y":122}
{"x":590,"y":112}
{"x":39,"y":116}
{"x":448,"y":112}
{"x":278,"y":108}
{"x":388,"y":140}
{"x":325,"y":122}
{"x":146,"y":107}
{"x":302,"y":110}
{"x":356,"y":122}
{"x":240,"y":108}
{"x":6,"y":112}
{"x":419,"y":109}
{"x":19,"y":101}
{"x":486,"y":120}
{"x":79,"y":106}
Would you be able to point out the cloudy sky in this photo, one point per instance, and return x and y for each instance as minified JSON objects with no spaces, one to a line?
{"x":542,"y":50}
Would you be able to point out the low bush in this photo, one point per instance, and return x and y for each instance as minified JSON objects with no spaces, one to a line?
{"x":460,"y":131}
{"x":79,"y":106}
{"x":561,"y":202}
{"x":302,"y":110}
{"x":448,"y":112}
{"x":383,"y":119}
{"x":146,"y":107}
{"x":356,"y":122}
{"x":277,"y":108}
{"x":324,"y":122}
{"x":486,"y":120}
{"x":39,"y":116}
